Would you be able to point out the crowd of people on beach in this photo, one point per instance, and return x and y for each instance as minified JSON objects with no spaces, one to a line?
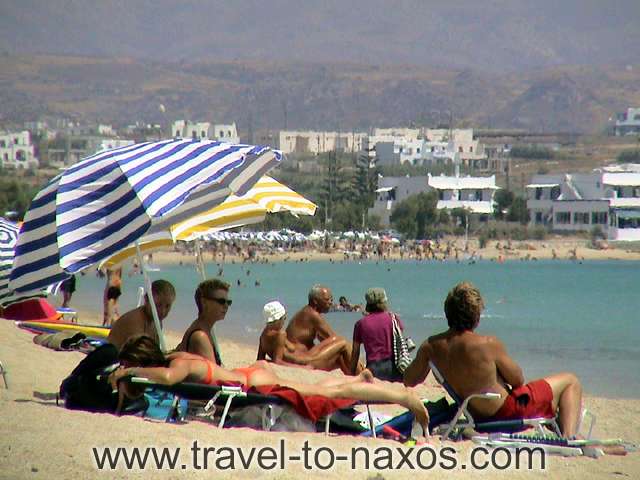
{"x":471,"y":363}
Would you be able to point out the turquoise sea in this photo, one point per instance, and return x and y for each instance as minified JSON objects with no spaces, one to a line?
{"x":551,"y":315}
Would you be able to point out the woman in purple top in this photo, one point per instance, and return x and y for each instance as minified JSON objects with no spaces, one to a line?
{"x":375,"y":332}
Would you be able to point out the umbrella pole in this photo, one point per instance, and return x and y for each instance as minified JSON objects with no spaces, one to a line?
{"x":154,"y":310}
{"x":203,"y":272}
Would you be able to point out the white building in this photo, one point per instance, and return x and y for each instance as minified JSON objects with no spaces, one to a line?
{"x":205,"y":131}
{"x":393,"y":190}
{"x":316,"y":142}
{"x":110,"y":143}
{"x":628,"y":123}
{"x":443,"y":146}
{"x":579,"y":202}
{"x":16,"y":150}
{"x":474,"y":194}
{"x":394,"y":146}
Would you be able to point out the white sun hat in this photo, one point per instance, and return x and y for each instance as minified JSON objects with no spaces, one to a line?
{"x":273,"y":311}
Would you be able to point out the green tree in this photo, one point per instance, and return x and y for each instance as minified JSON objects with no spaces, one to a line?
{"x":518,"y":211}
{"x":417,"y":216}
{"x":504,"y":200}
{"x":336,"y":186}
{"x":366,"y":182}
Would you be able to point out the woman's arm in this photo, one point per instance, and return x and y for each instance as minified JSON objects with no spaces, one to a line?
{"x":176,"y":372}
{"x":355,"y":357}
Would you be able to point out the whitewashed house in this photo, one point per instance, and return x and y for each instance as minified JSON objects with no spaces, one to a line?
{"x":17,"y":151}
{"x":317,"y":142}
{"x":205,"y":131}
{"x":628,"y":122}
{"x":579,"y":202}
{"x":393,"y":190}
{"x":474,"y":194}
{"x":456,"y":146}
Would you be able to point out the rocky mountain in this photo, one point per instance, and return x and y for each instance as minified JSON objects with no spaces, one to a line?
{"x":342,"y":96}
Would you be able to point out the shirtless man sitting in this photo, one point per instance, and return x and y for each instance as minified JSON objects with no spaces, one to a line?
{"x":139,"y":321}
{"x":275,"y":346}
{"x":309,"y":324}
{"x":474,"y":363}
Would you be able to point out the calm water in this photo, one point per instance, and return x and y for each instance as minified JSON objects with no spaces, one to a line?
{"x":551,"y":315}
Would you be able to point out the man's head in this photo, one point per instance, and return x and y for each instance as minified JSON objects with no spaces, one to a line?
{"x":376,"y":299}
{"x":163,"y":296}
{"x":463,"y":307}
{"x":274,"y":314}
{"x":320,"y":298}
{"x":214,"y":293}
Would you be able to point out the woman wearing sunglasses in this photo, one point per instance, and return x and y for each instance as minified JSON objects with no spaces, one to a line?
{"x":212,"y":300}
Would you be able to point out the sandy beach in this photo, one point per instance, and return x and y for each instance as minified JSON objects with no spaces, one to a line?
{"x":41,"y":440}
{"x":558,"y":247}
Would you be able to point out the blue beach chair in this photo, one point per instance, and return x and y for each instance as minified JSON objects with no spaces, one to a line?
{"x":464,"y":419}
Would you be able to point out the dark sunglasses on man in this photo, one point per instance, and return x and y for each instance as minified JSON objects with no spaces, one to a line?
{"x":221,"y":301}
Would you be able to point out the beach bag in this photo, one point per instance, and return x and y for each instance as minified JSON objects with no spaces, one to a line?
{"x":270,"y":418}
{"x":164,"y":406}
{"x":87,"y":387}
{"x":401,"y":357}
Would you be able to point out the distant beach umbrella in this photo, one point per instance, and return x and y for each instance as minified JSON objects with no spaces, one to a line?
{"x":108,"y":201}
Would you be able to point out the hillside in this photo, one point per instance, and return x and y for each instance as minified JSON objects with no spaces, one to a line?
{"x":329,"y":96}
{"x":491,"y":35}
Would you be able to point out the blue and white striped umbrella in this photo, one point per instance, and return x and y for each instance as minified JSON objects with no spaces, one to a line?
{"x":107,"y":201}
{"x":8,"y":238}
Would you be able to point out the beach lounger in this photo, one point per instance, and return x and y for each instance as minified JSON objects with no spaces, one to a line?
{"x":464,"y":419}
{"x":225,"y":396}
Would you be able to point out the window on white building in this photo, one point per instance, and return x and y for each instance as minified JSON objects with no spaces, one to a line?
{"x":563,"y":218}
{"x":203,"y":134}
{"x":539,"y":218}
{"x":16,"y":141}
{"x":580,"y":218}
{"x":599,"y":218}
{"x":221,"y":134}
{"x":538,"y":193}
{"x":194,"y":134}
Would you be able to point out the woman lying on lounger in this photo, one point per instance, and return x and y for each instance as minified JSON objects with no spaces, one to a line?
{"x":141,"y":357}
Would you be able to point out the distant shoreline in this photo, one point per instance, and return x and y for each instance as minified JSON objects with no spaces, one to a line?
{"x":560,"y":249}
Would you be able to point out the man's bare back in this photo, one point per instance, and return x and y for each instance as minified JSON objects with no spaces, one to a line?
{"x":471,"y":363}
{"x":134,"y":322}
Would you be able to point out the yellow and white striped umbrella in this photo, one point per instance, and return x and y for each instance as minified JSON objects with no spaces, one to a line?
{"x":266,"y":196}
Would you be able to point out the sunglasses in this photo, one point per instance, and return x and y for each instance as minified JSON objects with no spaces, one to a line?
{"x":221,"y":301}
